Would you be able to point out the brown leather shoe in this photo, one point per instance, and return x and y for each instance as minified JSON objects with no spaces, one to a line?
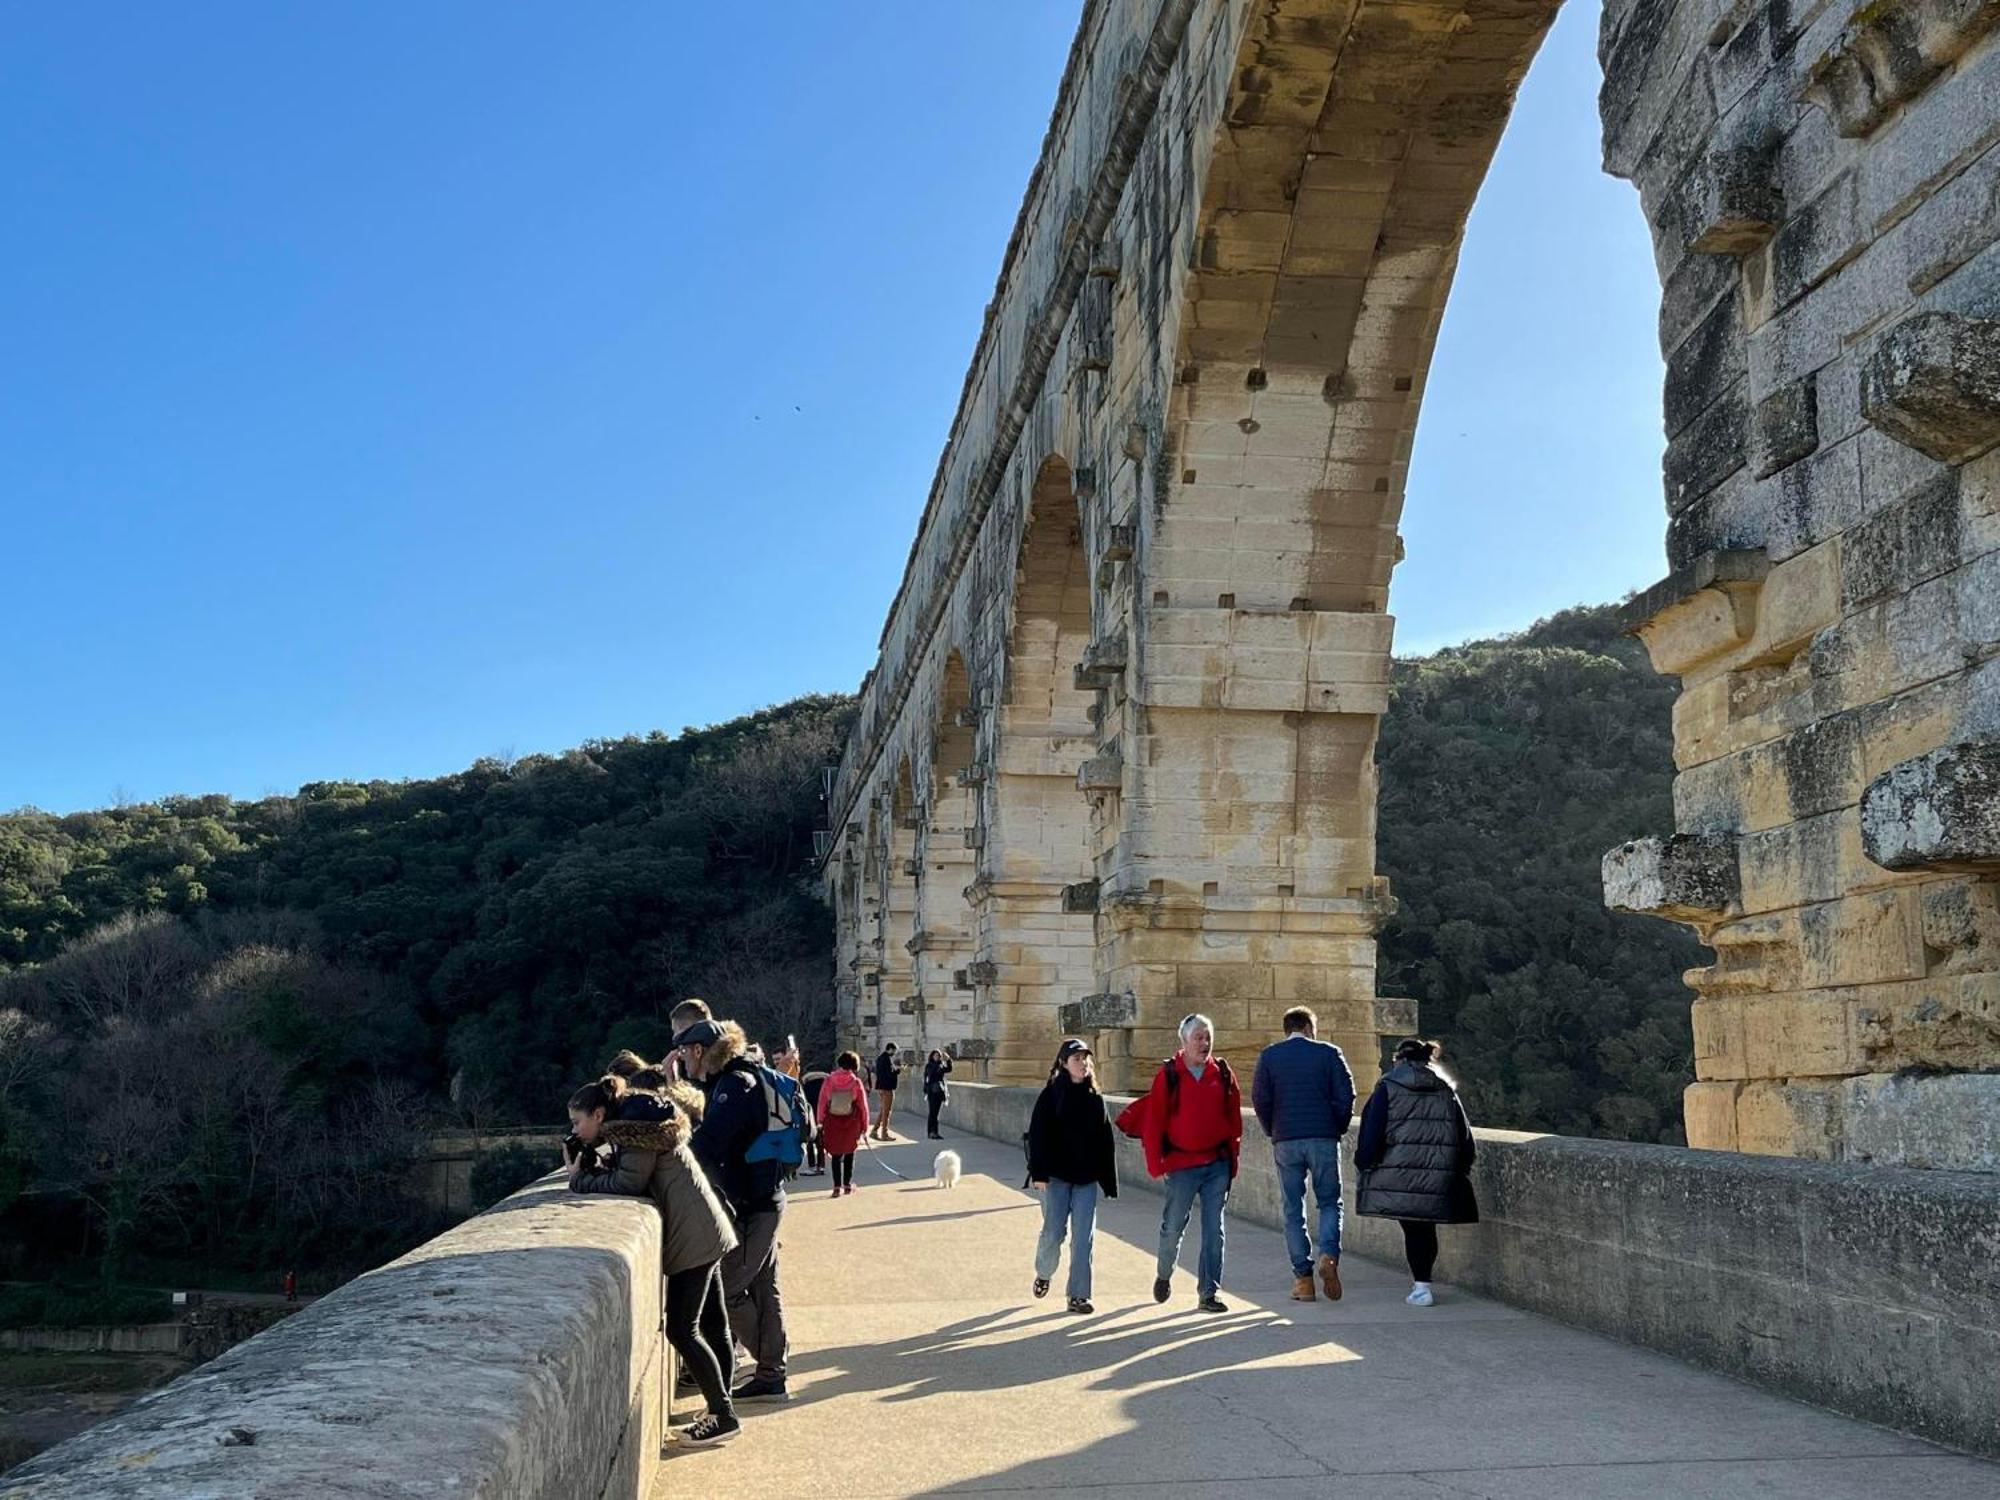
{"x":1302,"y":1289}
{"x":1329,"y":1276}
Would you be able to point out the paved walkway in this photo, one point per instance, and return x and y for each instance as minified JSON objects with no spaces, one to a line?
{"x":922,"y":1366}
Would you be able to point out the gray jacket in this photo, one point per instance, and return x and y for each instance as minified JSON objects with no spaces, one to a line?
{"x":653,"y":1161}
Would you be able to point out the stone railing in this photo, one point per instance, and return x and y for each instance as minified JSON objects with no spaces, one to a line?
{"x":1871,"y":1290}
{"x":517,"y":1355}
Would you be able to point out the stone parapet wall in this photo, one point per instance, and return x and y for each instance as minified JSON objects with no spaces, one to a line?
{"x":518,"y":1355}
{"x":1872,"y":1291}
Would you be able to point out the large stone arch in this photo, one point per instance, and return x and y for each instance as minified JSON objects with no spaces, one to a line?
{"x":1219,"y":305}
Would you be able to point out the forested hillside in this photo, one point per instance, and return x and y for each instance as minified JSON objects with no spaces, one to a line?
{"x":1508,"y":768}
{"x":224,"y":1026}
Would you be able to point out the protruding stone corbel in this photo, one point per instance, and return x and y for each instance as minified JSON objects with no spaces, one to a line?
{"x":1119,"y":540}
{"x":975,"y":774}
{"x":1100,"y":1013}
{"x":1738,"y":204}
{"x":1684,"y":877}
{"x":913,"y":867}
{"x":1101,"y":773}
{"x":1940,"y":811}
{"x":1888,"y":53}
{"x":983,"y":971}
{"x":1103,"y":662}
{"x":972,"y":1049}
{"x":1699,"y":611}
{"x":1933,"y":382}
{"x":975,"y":838}
{"x":1080,"y":897}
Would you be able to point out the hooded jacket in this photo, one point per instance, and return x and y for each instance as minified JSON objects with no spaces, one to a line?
{"x":649,"y":1137}
{"x":733,"y":1118}
{"x":1415,"y":1150}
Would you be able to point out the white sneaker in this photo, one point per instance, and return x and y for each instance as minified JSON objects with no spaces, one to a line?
{"x":1420,"y":1294}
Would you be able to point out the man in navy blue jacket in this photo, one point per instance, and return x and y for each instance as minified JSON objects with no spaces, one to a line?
{"x":1304,"y":1097}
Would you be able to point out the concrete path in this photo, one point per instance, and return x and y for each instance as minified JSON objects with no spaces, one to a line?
{"x":922,"y":1366}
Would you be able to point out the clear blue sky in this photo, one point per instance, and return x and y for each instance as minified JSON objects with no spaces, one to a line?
{"x":386,"y":386}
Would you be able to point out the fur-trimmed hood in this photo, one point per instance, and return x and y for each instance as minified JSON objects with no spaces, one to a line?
{"x":655,"y":1122}
{"x":723,"y":1051}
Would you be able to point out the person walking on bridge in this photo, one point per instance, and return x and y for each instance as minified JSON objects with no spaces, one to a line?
{"x":1303,"y":1094}
{"x":843,"y":1118}
{"x":1415,"y":1154}
{"x":1191,"y":1123}
{"x":1072,"y":1160}
{"x":888,"y":1068}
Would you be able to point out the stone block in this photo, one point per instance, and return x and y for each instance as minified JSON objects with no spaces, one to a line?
{"x":1707,"y":451}
{"x":1933,"y":382}
{"x":1736,"y":204}
{"x":1941,"y":1122}
{"x":1787,"y":427}
{"x":1940,"y":811}
{"x":1709,"y":1113}
{"x":1102,"y":1012}
{"x":1684,"y":877}
{"x":1789,"y":1119}
{"x":1903,"y":546}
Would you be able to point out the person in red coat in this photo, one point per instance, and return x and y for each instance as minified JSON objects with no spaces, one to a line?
{"x":1191,"y":1124}
{"x":843,"y":1118}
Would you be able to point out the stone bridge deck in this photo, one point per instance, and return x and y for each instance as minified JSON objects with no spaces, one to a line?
{"x":922,"y":1366}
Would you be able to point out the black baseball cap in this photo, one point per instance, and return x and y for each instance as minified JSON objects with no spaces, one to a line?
{"x":1070,"y":1047}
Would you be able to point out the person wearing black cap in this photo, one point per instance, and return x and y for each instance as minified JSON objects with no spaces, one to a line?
{"x":734,"y":1119}
{"x":1072,"y":1160}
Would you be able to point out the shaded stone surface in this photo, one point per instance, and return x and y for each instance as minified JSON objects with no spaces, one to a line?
{"x":1934,"y":382}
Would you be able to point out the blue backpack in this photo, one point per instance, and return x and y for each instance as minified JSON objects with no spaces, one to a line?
{"x":784,"y":1137}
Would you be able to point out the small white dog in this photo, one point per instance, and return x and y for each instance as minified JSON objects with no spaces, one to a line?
{"x":947,"y":1166}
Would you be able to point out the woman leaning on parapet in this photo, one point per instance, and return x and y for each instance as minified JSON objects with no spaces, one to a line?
{"x":1415,"y":1154}
{"x":646,"y":1126}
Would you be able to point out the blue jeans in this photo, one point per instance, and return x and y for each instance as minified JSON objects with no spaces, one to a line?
{"x":1296,"y":1160}
{"x":1210,"y":1184}
{"x":1068,"y":1208}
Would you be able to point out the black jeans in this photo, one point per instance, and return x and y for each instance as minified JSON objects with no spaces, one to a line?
{"x":843,"y":1169}
{"x":937,"y":1103}
{"x":1420,"y":1248}
{"x":698,"y":1328}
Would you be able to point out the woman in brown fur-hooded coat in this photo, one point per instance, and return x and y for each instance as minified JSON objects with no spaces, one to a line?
{"x":648,"y":1129}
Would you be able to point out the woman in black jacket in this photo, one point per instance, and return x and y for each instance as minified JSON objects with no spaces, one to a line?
{"x":936,"y":1066}
{"x":1415,"y":1154}
{"x":1072,"y":1159}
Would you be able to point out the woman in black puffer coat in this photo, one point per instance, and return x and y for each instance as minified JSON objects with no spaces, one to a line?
{"x":1415,"y":1154}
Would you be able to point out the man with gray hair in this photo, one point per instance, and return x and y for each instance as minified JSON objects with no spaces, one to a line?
{"x":1191,"y":1123}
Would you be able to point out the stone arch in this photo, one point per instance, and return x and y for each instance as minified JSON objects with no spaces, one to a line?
{"x":1035,"y":893}
{"x":945,"y":937}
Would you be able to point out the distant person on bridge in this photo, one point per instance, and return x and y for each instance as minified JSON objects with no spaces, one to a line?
{"x":1415,"y":1155}
{"x":734,"y":1119}
{"x":843,"y":1118}
{"x":1303,"y":1094}
{"x":810,"y":1086}
{"x":1191,"y":1123}
{"x":647,"y":1129}
{"x":936,"y":1067}
{"x":1072,"y":1160}
{"x":888,"y":1068}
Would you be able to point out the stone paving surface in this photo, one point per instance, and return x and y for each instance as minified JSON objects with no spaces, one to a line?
{"x":921,"y":1365}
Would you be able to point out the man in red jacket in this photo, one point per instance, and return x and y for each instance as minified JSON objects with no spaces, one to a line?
{"x":1193,"y":1134}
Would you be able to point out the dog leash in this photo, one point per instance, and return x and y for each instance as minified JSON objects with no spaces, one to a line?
{"x":870,"y":1144}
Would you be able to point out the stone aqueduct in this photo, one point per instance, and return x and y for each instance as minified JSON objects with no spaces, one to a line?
{"x":1115,"y":762}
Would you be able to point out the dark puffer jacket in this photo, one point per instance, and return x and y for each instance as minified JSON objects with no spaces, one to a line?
{"x":1069,"y":1137}
{"x":1415,"y":1150}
